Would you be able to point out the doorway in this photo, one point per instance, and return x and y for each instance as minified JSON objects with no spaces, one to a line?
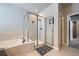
{"x":73,"y":24}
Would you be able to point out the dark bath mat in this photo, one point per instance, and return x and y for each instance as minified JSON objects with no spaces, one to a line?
{"x":43,"y":49}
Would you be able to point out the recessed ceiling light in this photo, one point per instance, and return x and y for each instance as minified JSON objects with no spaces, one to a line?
{"x":36,"y":10}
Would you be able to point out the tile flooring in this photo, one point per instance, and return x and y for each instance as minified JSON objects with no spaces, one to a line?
{"x":63,"y":52}
{"x":74,"y":43}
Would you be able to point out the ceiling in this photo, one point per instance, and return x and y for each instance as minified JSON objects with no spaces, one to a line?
{"x":65,"y":4}
{"x":32,"y":6}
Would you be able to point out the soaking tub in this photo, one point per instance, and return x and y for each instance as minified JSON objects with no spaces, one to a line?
{"x":16,"y":47}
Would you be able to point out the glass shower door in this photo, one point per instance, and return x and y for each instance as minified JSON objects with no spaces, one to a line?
{"x":41,"y":30}
{"x":49,"y":30}
{"x":33,"y":28}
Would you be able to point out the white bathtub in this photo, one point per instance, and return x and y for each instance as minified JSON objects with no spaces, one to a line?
{"x":16,"y":47}
{"x":13,"y":43}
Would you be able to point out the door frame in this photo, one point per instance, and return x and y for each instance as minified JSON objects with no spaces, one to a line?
{"x":62,"y":30}
{"x":68,"y":27}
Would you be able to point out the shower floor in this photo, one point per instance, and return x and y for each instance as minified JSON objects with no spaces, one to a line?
{"x":39,"y":43}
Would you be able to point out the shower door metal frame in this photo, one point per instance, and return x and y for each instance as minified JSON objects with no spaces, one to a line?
{"x":37,"y":26}
{"x":45,"y":31}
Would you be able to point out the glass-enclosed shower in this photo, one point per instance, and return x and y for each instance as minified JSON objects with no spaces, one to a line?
{"x":38,"y":29}
{"x":34,"y":28}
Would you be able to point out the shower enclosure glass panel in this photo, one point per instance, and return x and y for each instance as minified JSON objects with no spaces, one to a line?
{"x":41,"y":30}
{"x":49,"y":31}
{"x":25,"y":27}
{"x":33,"y":28}
{"x":36,"y":29}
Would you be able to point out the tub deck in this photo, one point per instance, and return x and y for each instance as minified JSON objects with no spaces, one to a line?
{"x":16,"y":47}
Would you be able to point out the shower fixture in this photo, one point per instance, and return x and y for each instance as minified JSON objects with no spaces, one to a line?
{"x":33,"y":18}
{"x":51,"y":20}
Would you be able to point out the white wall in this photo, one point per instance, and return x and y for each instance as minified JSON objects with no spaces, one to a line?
{"x":11,"y":18}
{"x":52,"y":10}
